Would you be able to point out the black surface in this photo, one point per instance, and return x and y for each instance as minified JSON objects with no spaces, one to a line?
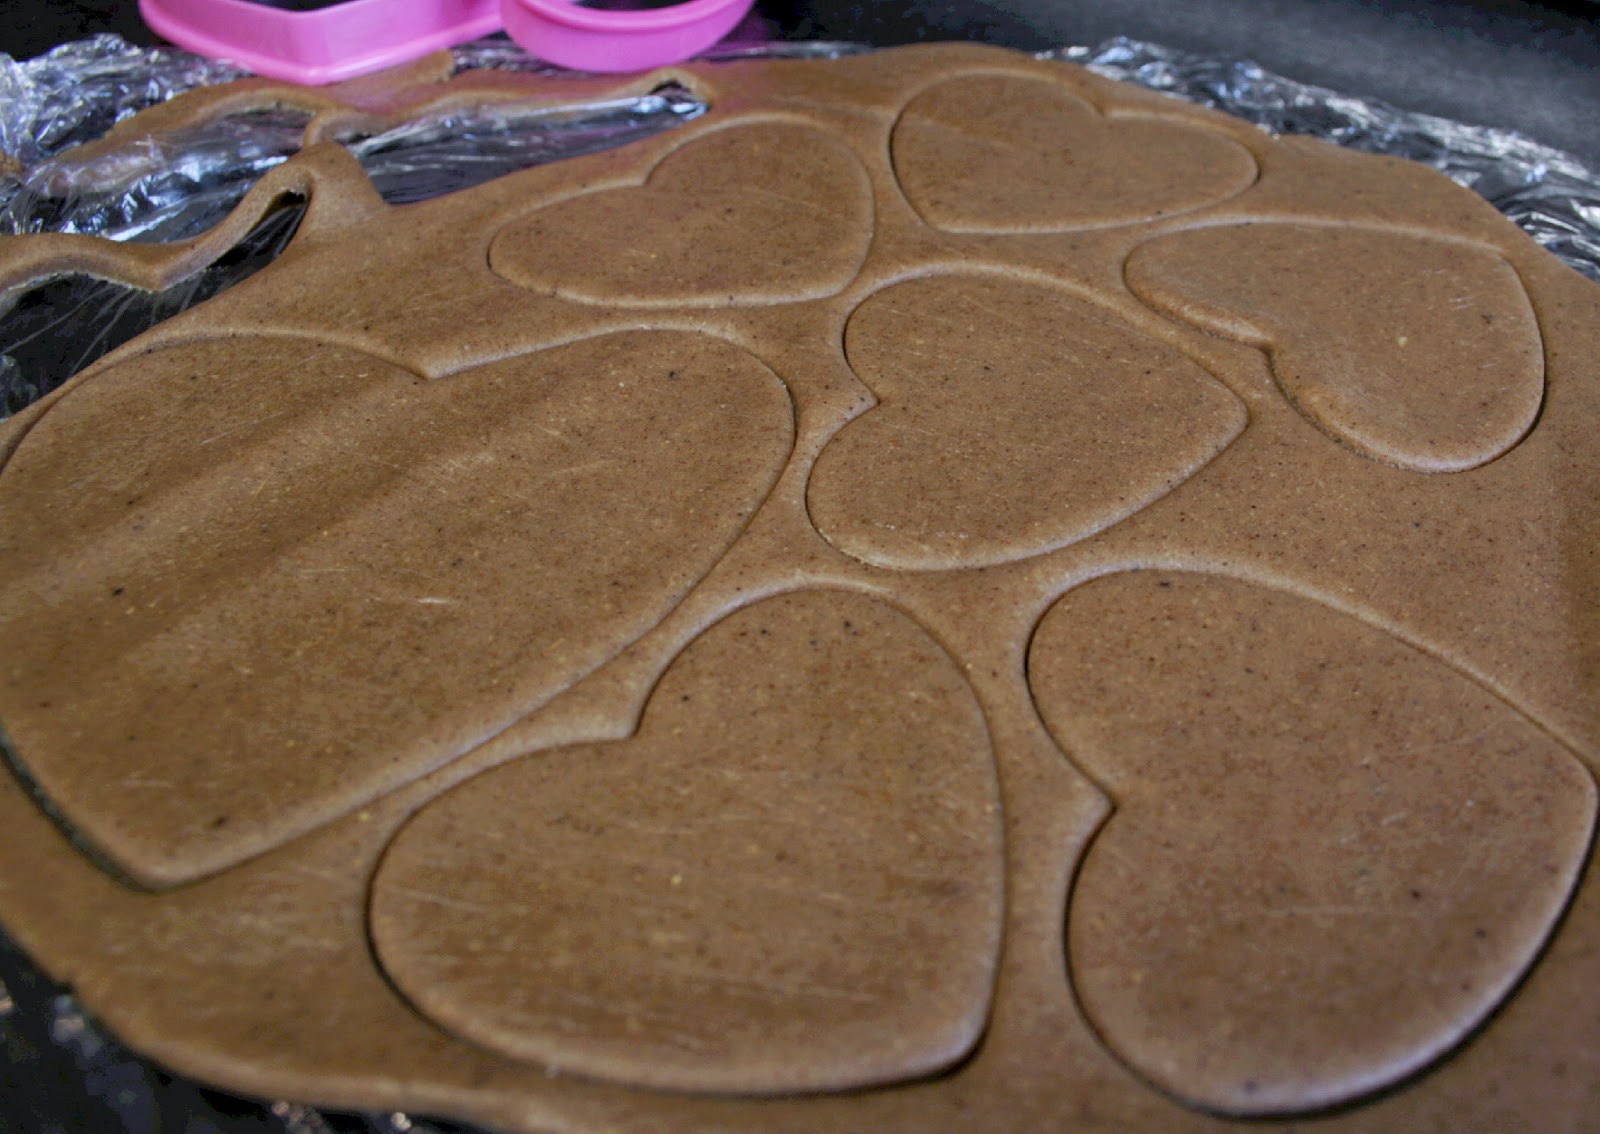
{"x":30,"y":27}
{"x":1530,"y":67}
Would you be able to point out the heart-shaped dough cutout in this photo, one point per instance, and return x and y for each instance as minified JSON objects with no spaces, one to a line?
{"x":789,"y":880}
{"x":1008,"y":153}
{"x":293,"y":577}
{"x":1332,"y":855}
{"x":764,"y":213}
{"x":1014,"y":418}
{"x":1415,"y":351}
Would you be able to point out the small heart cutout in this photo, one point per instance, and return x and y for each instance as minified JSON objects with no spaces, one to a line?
{"x":1013,"y":418}
{"x":765,"y":213}
{"x":293,"y":577}
{"x":1415,"y":351}
{"x":1331,"y":858}
{"x":1005,"y":153}
{"x":789,"y":880}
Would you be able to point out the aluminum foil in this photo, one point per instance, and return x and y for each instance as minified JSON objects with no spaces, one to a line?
{"x":59,"y":1072}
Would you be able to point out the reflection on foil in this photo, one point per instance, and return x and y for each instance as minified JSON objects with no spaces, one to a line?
{"x":441,"y":154}
{"x":78,"y":1079}
{"x":1552,"y":196}
{"x":78,"y":91}
{"x":297,"y":1119}
{"x":57,"y":328}
{"x":500,"y":54}
{"x":176,"y":185}
{"x":165,"y":187}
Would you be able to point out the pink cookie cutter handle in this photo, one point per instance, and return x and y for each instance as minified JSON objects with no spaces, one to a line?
{"x":323,"y":45}
{"x":597,"y":39}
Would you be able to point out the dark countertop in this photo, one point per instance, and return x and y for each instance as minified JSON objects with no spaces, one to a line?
{"x":1530,"y":67}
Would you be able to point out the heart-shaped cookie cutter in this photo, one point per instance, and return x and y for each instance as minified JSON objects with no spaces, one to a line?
{"x":305,"y":41}
{"x":599,"y":37}
{"x":324,"y":41}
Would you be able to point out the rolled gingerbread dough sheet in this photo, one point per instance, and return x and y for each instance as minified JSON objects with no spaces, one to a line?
{"x":945,"y":594}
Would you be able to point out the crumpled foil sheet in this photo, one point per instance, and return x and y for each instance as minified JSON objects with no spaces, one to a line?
{"x":59,"y":1072}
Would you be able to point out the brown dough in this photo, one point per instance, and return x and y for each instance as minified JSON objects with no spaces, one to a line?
{"x":1449,"y":831}
{"x":254,"y":558}
{"x":830,"y":733}
{"x":684,"y":237}
{"x":912,"y":484}
{"x":947,"y":594}
{"x":1445,"y":381}
{"x":1004,"y":153}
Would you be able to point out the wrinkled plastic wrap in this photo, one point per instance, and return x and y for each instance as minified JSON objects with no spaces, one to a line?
{"x":180,"y":184}
{"x":1550,"y":195}
{"x":58,"y":1070}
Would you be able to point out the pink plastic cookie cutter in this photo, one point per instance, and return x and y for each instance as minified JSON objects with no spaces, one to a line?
{"x":324,"y":41}
{"x":305,"y":41}
{"x":626,"y":37}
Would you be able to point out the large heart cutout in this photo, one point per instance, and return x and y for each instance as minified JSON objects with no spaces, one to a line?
{"x":763,"y":213}
{"x":248,"y":584}
{"x":1419,"y":352}
{"x":1007,"y":153}
{"x":1332,"y":855}
{"x":1014,"y":418}
{"x":789,"y":880}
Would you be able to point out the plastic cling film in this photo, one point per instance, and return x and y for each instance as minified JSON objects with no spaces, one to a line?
{"x":78,"y":91}
{"x":183,"y":183}
{"x":1548,"y":193}
{"x":59,"y":327}
{"x":176,"y":185}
